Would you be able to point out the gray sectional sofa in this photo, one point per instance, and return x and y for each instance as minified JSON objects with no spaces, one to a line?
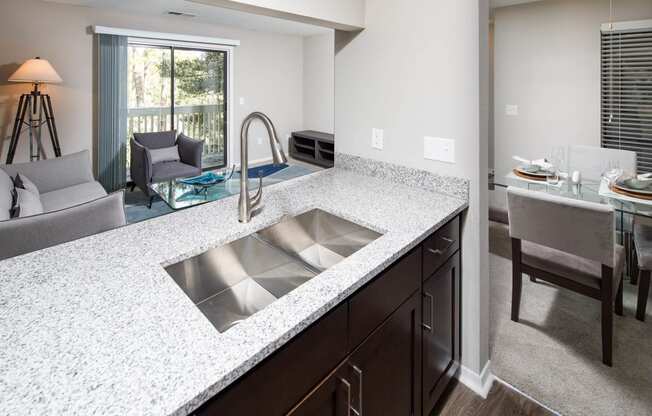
{"x":69,"y":204}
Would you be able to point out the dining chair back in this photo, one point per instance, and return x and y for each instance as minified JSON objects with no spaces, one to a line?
{"x":593,"y":161}
{"x":581,"y":228}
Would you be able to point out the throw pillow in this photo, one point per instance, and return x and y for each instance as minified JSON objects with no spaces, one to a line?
{"x":28,"y":203}
{"x":14,"y":212}
{"x":164,"y":154}
{"x":6,"y":187}
{"x":22,"y":181}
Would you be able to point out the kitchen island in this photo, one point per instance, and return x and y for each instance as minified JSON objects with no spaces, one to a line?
{"x":97,"y":326}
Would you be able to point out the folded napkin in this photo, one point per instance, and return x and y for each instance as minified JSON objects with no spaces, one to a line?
{"x":541,"y":163}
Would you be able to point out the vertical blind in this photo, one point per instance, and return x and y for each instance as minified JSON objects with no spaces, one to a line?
{"x":626,"y":92}
{"x":112,"y":110}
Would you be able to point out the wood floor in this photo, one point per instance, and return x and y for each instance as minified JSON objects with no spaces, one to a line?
{"x":501,"y":401}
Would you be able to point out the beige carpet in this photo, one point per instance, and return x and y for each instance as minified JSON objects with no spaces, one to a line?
{"x":554,"y":353}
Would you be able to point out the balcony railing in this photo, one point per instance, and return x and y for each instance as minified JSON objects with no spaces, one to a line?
{"x":202,"y":122}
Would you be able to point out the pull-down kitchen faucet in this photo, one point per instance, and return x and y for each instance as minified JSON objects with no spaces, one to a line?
{"x":247,"y":204}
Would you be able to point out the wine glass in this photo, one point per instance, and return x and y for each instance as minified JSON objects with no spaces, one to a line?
{"x":556,"y":159}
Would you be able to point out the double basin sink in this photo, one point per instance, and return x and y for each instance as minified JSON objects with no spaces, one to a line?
{"x":234,"y":281}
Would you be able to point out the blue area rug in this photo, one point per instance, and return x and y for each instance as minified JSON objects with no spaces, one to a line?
{"x":265,"y":170}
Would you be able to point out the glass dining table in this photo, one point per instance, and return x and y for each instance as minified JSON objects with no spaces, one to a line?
{"x":627,"y":209}
{"x":587,"y":190}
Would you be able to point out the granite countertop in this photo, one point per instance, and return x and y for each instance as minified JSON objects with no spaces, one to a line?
{"x":96,"y":326}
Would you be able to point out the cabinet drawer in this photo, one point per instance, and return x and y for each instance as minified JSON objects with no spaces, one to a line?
{"x":440,"y":246}
{"x":279,"y":382}
{"x":376,"y":301}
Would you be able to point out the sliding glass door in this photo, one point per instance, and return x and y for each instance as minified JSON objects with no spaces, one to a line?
{"x":183,"y":89}
{"x":149,"y":88}
{"x":199,"y":80}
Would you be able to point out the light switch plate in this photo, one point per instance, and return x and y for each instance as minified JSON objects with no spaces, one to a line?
{"x":377,"y":138}
{"x":511,"y":110}
{"x":242,"y":101}
{"x":436,"y":148}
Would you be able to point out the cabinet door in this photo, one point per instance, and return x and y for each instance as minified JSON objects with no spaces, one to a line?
{"x":440,"y":330}
{"x":385,"y":371}
{"x":295,"y":369}
{"x":332,"y":397}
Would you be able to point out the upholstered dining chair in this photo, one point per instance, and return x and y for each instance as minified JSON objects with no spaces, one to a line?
{"x":643,"y":244}
{"x":498,"y":205}
{"x":569,"y":243}
{"x":593,"y":161}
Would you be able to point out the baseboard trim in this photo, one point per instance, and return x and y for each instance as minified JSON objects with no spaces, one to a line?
{"x":509,"y":386}
{"x":481,"y":383}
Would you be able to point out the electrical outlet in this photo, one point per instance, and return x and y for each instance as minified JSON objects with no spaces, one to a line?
{"x":435,"y":148}
{"x":511,"y":110}
{"x":377,"y":138}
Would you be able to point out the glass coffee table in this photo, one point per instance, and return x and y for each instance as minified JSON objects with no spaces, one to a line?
{"x":178,"y":195}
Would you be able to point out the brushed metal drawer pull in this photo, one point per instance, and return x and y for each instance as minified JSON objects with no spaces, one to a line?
{"x":432,"y":311}
{"x":348,"y":395}
{"x":359,"y":373}
{"x":438,"y":251}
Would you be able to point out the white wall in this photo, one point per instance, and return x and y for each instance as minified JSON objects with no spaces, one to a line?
{"x":318,"y":82}
{"x":414,"y":72}
{"x":268,"y":68}
{"x":547,"y":61}
{"x":336,"y":14}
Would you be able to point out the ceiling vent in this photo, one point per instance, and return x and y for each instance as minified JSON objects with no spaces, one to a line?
{"x":181,"y":14}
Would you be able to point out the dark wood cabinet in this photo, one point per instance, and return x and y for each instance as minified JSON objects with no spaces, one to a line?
{"x":294,"y":370}
{"x":389,"y":349}
{"x":332,"y":397}
{"x":380,"y":298}
{"x":385,"y":370}
{"x":440,"y":329}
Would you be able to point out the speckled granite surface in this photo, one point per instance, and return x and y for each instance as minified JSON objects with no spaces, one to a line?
{"x":448,"y":185}
{"x":96,"y":326}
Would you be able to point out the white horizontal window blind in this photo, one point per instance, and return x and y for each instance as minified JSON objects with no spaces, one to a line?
{"x":626,"y":91}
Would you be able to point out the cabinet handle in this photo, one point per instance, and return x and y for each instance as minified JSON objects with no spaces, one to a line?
{"x":432,"y":311}
{"x":359,"y":374}
{"x":439,"y":252}
{"x":348,"y":395}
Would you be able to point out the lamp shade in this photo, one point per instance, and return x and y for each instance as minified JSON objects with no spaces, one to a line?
{"x":37,"y":71}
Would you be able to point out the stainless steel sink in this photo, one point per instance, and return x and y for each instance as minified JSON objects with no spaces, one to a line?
{"x":234,"y":281}
{"x":318,"y":238}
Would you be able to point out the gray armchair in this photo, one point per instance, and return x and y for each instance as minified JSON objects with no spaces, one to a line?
{"x":148,"y":166}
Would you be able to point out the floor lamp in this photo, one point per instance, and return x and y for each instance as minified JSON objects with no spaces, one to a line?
{"x":35,"y":71}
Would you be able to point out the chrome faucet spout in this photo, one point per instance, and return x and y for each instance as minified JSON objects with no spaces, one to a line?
{"x":247,"y":204}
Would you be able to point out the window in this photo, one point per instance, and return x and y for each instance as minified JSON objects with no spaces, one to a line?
{"x":182,"y":88}
{"x":626,"y":80}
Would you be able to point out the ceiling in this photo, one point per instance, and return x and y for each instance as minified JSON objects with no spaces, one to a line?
{"x":204,"y":14}
{"x":503,"y":3}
